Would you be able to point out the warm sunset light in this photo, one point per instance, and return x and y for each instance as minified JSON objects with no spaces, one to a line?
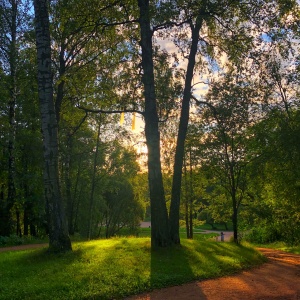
{"x":146,"y":145}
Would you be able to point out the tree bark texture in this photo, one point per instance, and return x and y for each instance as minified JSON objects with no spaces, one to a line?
{"x":68,"y":184}
{"x":91,"y":215}
{"x":59,"y":240}
{"x":191,"y":198}
{"x":182,"y":131}
{"x":235,"y":218}
{"x":234,"y":204}
{"x":160,"y":236}
{"x":60,"y":88}
{"x":186,"y":202}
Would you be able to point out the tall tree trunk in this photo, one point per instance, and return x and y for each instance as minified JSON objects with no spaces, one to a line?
{"x":27,"y":204}
{"x":68,"y":184}
{"x":25,"y":221}
{"x":60,"y":88}
{"x":90,"y":218}
{"x":160,"y":236}
{"x":76,"y":196}
{"x":235,"y":219}
{"x":59,"y":240}
{"x":233,"y":193}
{"x":18,"y":221}
{"x":186,"y":202}
{"x":183,"y":124}
{"x":191,"y":198}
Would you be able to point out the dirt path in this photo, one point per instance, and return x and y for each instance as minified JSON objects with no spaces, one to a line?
{"x":23,"y":247}
{"x":279,"y":278}
{"x":227,"y":234}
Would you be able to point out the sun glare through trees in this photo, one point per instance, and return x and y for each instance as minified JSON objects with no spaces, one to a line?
{"x":184,"y":113}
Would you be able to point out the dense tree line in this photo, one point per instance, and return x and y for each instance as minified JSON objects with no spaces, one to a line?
{"x":216,"y":83}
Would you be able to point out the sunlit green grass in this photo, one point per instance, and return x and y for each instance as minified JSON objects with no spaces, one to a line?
{"x":280,"y":246}
{"x":115,"y":268}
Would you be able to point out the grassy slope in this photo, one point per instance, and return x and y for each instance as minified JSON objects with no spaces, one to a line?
{"x":281,"y":246}
{"x":112,"y":269}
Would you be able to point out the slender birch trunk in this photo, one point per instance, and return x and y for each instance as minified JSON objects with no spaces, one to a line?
{"x":59,"y":240}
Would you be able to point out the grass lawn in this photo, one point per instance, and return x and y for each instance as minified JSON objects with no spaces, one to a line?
{"x":219,"y":227}
{"x":115,"y":268}
{"x":281,"y":246}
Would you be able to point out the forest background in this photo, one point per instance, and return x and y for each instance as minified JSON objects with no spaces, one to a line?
{"x":216,"y":85}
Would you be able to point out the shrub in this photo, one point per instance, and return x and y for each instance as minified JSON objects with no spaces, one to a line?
{"x":283,"y":231}
{"x":262,"y":235}
{"x":11,"y":240}
{"x":14,"y":240}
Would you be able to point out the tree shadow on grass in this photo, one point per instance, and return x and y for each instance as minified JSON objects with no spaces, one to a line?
{"x":192,"y":262}
{"x":43,"y":257}
{"x":170,"y":267}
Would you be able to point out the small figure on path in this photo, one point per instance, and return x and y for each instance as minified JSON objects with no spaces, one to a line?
{"x":222,"y":236}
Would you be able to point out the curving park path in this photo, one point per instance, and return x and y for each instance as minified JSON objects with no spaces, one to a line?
{"x":277,"y":279}
{"x":227,"y":234}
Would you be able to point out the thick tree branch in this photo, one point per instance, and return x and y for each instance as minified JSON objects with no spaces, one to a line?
{"x":199,"y":102}
{"x":169,"y":24}
{"x":117,"y":111}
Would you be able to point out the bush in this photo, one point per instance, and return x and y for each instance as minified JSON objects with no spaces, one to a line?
{"x":3,"y":240}
{"x":11,"y":240}
{"x":262,"y":235}
{"x":15,"y":240}
{"x":286,"y":232}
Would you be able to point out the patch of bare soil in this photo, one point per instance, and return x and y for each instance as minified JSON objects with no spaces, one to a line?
{"x":22,"y":247}
{"x":279,"y":278}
